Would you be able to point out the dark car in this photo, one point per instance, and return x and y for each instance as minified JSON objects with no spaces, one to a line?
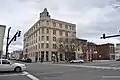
{"x":118,"y":60}
{"x":28,"y":60}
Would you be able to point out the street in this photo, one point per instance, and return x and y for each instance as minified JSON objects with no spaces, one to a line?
{"x":47,"y":71}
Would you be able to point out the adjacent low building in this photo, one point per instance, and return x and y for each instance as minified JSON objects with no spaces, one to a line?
{"x":106,"y":51}
{"x":92,"y":52}
{"x":82,"y":49}
{"x":18,"y":54}
{"x":117,"y":51}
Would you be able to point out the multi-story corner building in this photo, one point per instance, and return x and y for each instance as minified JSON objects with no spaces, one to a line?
{"x":117,"y":51}
{"x":40,"y":40}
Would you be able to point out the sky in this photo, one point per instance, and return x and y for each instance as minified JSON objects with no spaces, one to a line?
{"x":92,"y":17}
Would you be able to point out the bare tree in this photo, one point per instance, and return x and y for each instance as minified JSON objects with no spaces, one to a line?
{"x":68,"y":46}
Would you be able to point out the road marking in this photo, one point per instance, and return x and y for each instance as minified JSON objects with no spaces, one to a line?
{"x":12,"y":75}
{"x":85,"y":66}
{"x":30,"y":76}
{"x":110,"y":76}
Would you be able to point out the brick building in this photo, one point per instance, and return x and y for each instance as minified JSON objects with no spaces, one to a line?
{"x":92,"y":51}
{"x":106,"y":51}
{"x":81,"y":52}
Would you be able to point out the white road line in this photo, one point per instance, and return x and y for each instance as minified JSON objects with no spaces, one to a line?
{"x":12,"y":74}
{"x":30,"y":76}
{"x":111,"y":77}
{"x":85,"y":66}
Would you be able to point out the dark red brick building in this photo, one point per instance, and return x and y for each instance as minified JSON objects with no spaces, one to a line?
{"x":92,"y":51}
{"x":106,"y":51}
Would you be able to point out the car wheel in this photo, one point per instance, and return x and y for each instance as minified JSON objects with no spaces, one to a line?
{"x":17,"y":69}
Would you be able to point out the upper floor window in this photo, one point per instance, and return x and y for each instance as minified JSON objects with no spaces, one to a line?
{"x":70,"y":27}
{"x":39,"y":32}
{"x":54,"y":24}
{"x":54,"y":46}
{"x":54,"y":38}
{"x":54,"y":32}
{"x":60,"y":25}
{"x":42,"y":30}
{"x":47,"y":45}
{"x":42,"y":45}
{"x":60,"y":33}
{"x":47,"y":38}
{"x":66,"y":33}
{"x":42,"y":38}
{"x":73,"y":28}
{"x":66,"y":26}
{"x":39,"y":38}
{"x":47,"y":22}
{"x":47,"y":31}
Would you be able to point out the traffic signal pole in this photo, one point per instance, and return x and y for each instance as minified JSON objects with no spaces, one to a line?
{"x":104,"y":37}
{"x":7,"y":43}
{"x":17,"y":34}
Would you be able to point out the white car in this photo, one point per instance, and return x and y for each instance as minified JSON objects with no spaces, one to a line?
{"x":6,"y":65}
{"x":77,"y":61}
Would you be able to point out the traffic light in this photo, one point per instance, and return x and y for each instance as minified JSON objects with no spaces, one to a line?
{"x":19,"y":33}
{"x":104,"y":36}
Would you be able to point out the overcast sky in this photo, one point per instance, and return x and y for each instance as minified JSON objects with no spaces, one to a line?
{"x":92,"y":17}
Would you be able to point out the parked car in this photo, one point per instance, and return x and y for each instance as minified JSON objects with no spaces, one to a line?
{"x":28,"y":60}
{"x":77,"y":61}
{"x":118,"y":60}
{"x":7,"y":65}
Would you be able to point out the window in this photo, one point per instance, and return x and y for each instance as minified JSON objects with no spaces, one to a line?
{"x":47,"y":22}
{"x":36,"y":47}
{"x":47,"y":31}
{"x":54,"y":46}
{"x":42,"y":38}
{"x":42,"y":30}
{"x":54,"y":32}
{"x":42,"y":45}
{"x":60,"y":25}
{"x":5,"y":62}
{"x":39,"y":46}
{"x":47,"y":38}
{"x":39,"y":32}
{"x":60,"y":33}
{"x":72,"y":27}
{"x":66,"y":26}
{"x":67,"y":40}
{"x":54,"y":24}
{"x":66,"y":33}
{"x":39,"y":38}
{"x":47,"y":45}
{"x":54,"y":38}
{"x":36,"y":40}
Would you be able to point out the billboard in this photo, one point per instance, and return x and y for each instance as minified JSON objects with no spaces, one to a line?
{"x":2,"y":33}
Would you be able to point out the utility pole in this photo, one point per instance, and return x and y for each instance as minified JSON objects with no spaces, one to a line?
{"x":17,"y":34}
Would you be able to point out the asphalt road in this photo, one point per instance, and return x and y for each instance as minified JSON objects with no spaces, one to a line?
{"x":48,"y":71}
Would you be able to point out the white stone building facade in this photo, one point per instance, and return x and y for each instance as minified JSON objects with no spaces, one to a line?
{"x":40,"y":41}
